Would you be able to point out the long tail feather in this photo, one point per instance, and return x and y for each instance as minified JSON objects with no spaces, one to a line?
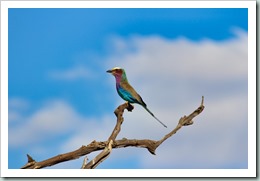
{"x":154,"y":116}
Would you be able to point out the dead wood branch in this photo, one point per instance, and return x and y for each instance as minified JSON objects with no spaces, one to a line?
{"x":111,"y":143}
{"x":106,"y":152}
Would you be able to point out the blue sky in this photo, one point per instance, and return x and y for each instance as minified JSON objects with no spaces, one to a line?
{"x":60,"y":96}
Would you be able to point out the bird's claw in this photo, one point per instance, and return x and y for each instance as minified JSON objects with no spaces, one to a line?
{"x":129,"y":107}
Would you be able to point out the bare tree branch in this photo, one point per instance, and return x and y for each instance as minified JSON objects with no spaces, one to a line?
{"x":111,"y":143}
{"x":106,"y":152}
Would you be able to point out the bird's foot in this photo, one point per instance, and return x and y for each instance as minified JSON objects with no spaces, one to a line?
{"x":119,"y":111}
{"x":130,"y":107}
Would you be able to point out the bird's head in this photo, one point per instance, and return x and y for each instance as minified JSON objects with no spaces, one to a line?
{"x":116,"y":71}
{"x":119,"y":74}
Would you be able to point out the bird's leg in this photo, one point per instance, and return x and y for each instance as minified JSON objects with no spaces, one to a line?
{"x":130,"y":107}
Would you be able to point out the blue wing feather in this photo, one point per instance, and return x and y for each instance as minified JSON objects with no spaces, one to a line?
{"x":126,"y":95}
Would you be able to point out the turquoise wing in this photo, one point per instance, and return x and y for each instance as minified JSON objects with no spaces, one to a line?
{"x":124,"y":94}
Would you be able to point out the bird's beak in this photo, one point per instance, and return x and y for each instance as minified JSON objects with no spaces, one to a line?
{"x":109,"y":71}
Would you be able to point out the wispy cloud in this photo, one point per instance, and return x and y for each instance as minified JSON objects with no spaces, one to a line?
{"x":16,"y":107}
{"x":205,"y":59}
{"x":55,"y":117}
{"x":18,"y":103}
{"x":71,"y":74}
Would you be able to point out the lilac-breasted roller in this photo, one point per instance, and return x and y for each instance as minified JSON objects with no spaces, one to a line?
{"x":126,"y":91}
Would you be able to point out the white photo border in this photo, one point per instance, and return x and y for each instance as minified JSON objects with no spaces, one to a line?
{"x":250,"y":172}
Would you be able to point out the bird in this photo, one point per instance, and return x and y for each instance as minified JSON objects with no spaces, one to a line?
{"x":127,"y":92}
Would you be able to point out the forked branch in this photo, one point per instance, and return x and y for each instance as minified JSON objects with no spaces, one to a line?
{"x":111,"y":143}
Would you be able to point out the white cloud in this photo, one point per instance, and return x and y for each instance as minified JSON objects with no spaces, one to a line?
{"x":74,"y":73}
{"x":56,"y":117}
{"x":174,"y":59}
